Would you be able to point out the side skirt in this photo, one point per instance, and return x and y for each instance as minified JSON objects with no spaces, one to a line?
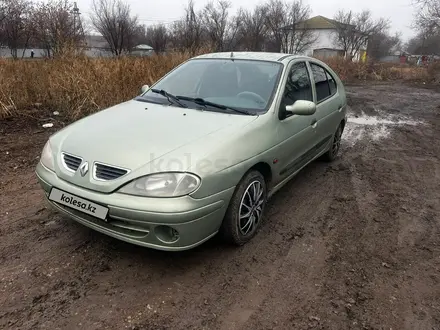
{"x":274,"y":189}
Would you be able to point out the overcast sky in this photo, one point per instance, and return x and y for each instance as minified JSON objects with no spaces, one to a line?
{"x":165,"y":11}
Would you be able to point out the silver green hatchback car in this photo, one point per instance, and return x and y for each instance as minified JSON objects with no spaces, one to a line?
{"x":199,"y":152}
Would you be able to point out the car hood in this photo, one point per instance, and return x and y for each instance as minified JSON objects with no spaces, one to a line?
{"x":133,"y":134}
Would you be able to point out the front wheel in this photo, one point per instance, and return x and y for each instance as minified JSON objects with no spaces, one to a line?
{"x":245,"y":211}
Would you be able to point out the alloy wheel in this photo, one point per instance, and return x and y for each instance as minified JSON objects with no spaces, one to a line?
{"x":251,"y":208}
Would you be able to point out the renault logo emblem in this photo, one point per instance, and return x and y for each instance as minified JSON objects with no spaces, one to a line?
{"x":84,"y":169}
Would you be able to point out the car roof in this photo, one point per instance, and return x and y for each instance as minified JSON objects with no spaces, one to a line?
{"x":261,"y":56}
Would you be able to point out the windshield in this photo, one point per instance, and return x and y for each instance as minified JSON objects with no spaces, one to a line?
{"x":241,"y":84}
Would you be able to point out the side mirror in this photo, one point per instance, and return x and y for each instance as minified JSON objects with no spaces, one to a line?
{"x":145,"y":88}
{"x":302,"y":108}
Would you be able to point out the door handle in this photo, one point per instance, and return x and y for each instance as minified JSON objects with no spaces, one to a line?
{"x":314,"y":123}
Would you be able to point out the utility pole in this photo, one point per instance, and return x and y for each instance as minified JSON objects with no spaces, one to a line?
{"x":75,"y":15}
{"x":77,"y":24}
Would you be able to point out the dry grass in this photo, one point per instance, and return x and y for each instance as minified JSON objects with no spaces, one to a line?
{"x":78,"y":86}
{"x":351,"y":71}
{"x":434,"y":72}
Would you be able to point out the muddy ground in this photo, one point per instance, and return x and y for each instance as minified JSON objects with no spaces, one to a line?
{"x":350,"y":245}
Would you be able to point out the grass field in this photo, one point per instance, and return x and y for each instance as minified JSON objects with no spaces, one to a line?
{"x":79,"y":86}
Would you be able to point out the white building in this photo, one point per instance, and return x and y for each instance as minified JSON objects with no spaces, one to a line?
{"x":325,"y":31}
{"x":142,"y":50}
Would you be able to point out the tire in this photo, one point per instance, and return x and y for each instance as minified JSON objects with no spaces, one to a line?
{"x":233,"y":230}
{"x":335,"y":146}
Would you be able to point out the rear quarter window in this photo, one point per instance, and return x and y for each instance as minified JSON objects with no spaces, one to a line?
{"x":332,"y":83}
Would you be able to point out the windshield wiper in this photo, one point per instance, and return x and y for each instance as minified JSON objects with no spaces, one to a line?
{"x":171,"y":98}
{"x":200,"y":101}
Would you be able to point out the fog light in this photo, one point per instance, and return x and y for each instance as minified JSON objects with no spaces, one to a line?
{"x":166,"y":234}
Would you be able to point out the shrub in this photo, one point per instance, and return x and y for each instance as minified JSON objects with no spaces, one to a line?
{"x":350,"y":71}
{"x":434,"y":72}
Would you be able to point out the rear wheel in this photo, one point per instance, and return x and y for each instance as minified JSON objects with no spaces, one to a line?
{"x":332,"y":153}
{"x":245,"y":212}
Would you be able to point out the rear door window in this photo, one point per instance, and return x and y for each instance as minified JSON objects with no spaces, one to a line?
{"x":325,"y":84}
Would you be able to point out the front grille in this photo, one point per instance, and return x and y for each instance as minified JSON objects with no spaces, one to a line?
{"x":106,"y":172}
{"x":71,"y":162}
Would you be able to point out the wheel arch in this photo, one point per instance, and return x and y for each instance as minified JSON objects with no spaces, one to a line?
{"x":343,"y":124}
{"x":265,"y":170}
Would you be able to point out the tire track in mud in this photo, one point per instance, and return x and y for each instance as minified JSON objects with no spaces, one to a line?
{"x":343,"y":275}
{"x":306,"y":208}
{"x":236,"y":284}
{"x":383,"y":190}
{"x":299,"y":285}
{"x":33,"y":291}
{"x":47,"y":296}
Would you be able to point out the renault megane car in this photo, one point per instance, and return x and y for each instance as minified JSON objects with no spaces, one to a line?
{"x":197,"y":153}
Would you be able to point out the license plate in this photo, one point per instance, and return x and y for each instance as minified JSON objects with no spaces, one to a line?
{"x":78,"y":203}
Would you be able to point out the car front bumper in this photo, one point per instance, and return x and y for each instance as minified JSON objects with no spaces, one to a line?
{"x":145,"y":221}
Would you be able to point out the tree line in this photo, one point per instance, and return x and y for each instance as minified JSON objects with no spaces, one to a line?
{"x":276,"y":25}
{"x":25,"y":24}
{"x":427,"y":25}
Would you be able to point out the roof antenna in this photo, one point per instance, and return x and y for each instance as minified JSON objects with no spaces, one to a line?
{"x":232,"y":55}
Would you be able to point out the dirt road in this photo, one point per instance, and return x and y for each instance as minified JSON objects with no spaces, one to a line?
{"x":351,"y":245}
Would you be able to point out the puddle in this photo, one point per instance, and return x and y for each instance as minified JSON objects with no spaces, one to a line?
{"x":373,"y":127}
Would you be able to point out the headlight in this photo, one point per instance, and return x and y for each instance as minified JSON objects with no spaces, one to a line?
{"x":47,"y":157}
{"x":171,"y":184}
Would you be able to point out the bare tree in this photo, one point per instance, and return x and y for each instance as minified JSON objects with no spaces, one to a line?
{"x":16,"y":25}
{"x":219,"y":28}
{"x":252,"y":28}
{"x":427,"y":16}
{"x":427,"y":23}
{"x":276,"y":20}
{"x":299,"y":37}
{"x":113,"y":20}
{"x":187,"y":33}
{"x":382,"y":43}
{"x":424,"y":43}
{"x":157,"y":36}
{"x":140,"y":34}
{"x":2,"y":11}
{"x":54,"y":27}
{"x":285,"y":21}
{"x":354,"y":29}
{"x":232,"y":37}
